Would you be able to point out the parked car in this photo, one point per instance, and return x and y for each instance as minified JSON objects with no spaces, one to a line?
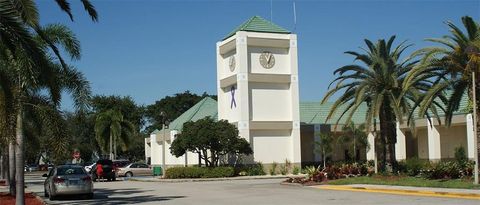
{"x":89,"y":166}
{"x":135,"y":169}
{"x":68,"y":180}
{"x":31,"y":168}
{"x":109,"y":171}
{"x":120,"y":163}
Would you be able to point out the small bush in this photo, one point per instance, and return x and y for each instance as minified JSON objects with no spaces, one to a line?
{"x":199,"y":172}
{"x":250,"y":170}
{"x":461,"y":156}
{"x":442,"y":170}
{"x":296,"y":170}
{"x":273,"y":169}
{"x":414,"y":166}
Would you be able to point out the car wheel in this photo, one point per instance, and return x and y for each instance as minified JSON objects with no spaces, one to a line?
{"x":129,"y":174}
{"x":89,"y":196}
{"x":114,"y":179}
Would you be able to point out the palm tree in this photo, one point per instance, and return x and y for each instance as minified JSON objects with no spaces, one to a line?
{"x":451,"y":65}
{"x":17,"y":19}
{"x":354,"y":137}
{"x":381,"y":85}
{"x":24,"y":78}
{"x":110,"y":127}
{"x":325,"y":146}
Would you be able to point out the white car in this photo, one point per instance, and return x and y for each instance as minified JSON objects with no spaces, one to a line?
{"x":88,"y":168}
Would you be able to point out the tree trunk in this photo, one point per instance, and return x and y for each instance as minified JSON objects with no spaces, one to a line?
{"x":19,"y":159}
{"x":383,"y":141}
{"x":110,"y":149}
{"x":11,"y":168}
{"x":115,"y":148}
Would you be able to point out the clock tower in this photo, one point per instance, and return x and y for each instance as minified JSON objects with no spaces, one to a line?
{"x":257,"y":87}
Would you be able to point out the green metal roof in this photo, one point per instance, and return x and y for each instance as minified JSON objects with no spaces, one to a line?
{"x":207,"y":107}
{"x":316,"y":113}
{"x":310,"y":113}
{"x":258,"y":24}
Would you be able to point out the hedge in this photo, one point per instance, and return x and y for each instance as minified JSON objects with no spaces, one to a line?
{"x":199,"y":172}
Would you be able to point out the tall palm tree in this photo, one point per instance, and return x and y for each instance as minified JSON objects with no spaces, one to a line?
{"x":24,"y":77}
{"x":17,"y":19}
{"x":354,"y":137}
{"x":110,"y":127}
{"x":380,"y":85}
{"x":451,"y":65}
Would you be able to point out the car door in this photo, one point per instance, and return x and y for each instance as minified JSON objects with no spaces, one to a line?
{"x":144,"y":169}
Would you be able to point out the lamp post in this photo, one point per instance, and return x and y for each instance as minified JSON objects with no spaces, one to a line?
{"x":474,"y":51}
{"x":164,"y":127}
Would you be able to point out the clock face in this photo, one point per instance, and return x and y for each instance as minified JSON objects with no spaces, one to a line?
{"x":231,"y":63}
{"x":267,"y":60}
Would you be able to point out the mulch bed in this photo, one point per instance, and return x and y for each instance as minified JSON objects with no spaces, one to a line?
{"x":30,"y":199}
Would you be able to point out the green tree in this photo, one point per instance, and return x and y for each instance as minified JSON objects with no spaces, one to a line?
{"x":211,"y":140}
{"x":110,"y":128}
{"x":173,"y":106}
{"x":451,"y":66}
{"x":325,"y":146}
{"x":380,"y":85}
{"x":19,"y":50}
{"x":23,"y":78}
{"x":354,"y":138}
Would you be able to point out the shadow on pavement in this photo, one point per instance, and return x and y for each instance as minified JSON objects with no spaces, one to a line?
{"x":115,"y":196}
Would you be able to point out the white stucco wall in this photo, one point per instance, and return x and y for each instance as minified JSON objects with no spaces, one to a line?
{"x":272,"y":145}
{"x":270,"y":102}
{"x":451,"y":138}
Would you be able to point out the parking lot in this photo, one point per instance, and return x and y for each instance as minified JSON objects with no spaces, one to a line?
{"x":265,"y":191}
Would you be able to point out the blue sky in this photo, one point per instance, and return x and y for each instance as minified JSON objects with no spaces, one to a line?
{"x":148,"y":49}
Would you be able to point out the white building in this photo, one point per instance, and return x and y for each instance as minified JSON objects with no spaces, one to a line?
{"x":257,"y":88}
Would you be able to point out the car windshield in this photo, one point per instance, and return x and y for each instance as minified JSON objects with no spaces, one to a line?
{"x":69,"y":170}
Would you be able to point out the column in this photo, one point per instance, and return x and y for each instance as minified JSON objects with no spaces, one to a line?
{"x":470,"y":137}
{"x":400,"y":146}
{"x":371,"y":142}
{"x":434,"y":148}
{"x":297,"y":154}
{"x":316,"y":139}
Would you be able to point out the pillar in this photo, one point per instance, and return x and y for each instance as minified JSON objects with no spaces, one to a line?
{"x":434,"y":148}
{"x":316,"y":139}
{"x":470,"y":137}
{"x":400,"y":146}
{"x":371,"y":142}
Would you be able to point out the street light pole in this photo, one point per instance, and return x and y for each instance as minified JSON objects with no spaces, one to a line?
{"x":163,"y":149}
{"x":475,"y":142}
{"x":164,"y":127}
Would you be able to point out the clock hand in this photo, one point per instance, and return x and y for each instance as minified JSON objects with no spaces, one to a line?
{"x":269,"y":57}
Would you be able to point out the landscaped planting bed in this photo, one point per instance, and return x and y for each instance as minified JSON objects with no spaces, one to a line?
{"x":30,"y":199}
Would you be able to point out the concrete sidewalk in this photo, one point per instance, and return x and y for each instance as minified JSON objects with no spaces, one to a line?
{"x":407,"y":190}
{"x":159,"y":179}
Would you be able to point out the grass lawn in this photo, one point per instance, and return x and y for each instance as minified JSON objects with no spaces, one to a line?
{"x":407,"y":181}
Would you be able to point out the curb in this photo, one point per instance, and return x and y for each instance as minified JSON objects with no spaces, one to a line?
{"x":206,"y":179}
{"x":401,"y":191}
{"x":39,"y":198}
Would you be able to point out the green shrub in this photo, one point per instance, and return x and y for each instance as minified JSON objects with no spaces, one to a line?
{"x":414,"y":166}
{"x":199,"y":172}
{"x":250,"y":169}
{"x":461,"y":156}
{"x":442,"y":170}
{"x":273,"y":169}
{"x":296,"y":170}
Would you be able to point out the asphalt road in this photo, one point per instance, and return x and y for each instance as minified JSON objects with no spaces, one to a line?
{"x":265,"y":191}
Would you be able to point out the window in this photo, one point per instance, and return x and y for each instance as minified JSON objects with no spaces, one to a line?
{"x":142,"y":166}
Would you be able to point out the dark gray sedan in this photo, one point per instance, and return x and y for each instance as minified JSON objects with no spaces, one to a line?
{"x":68,"y":180}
